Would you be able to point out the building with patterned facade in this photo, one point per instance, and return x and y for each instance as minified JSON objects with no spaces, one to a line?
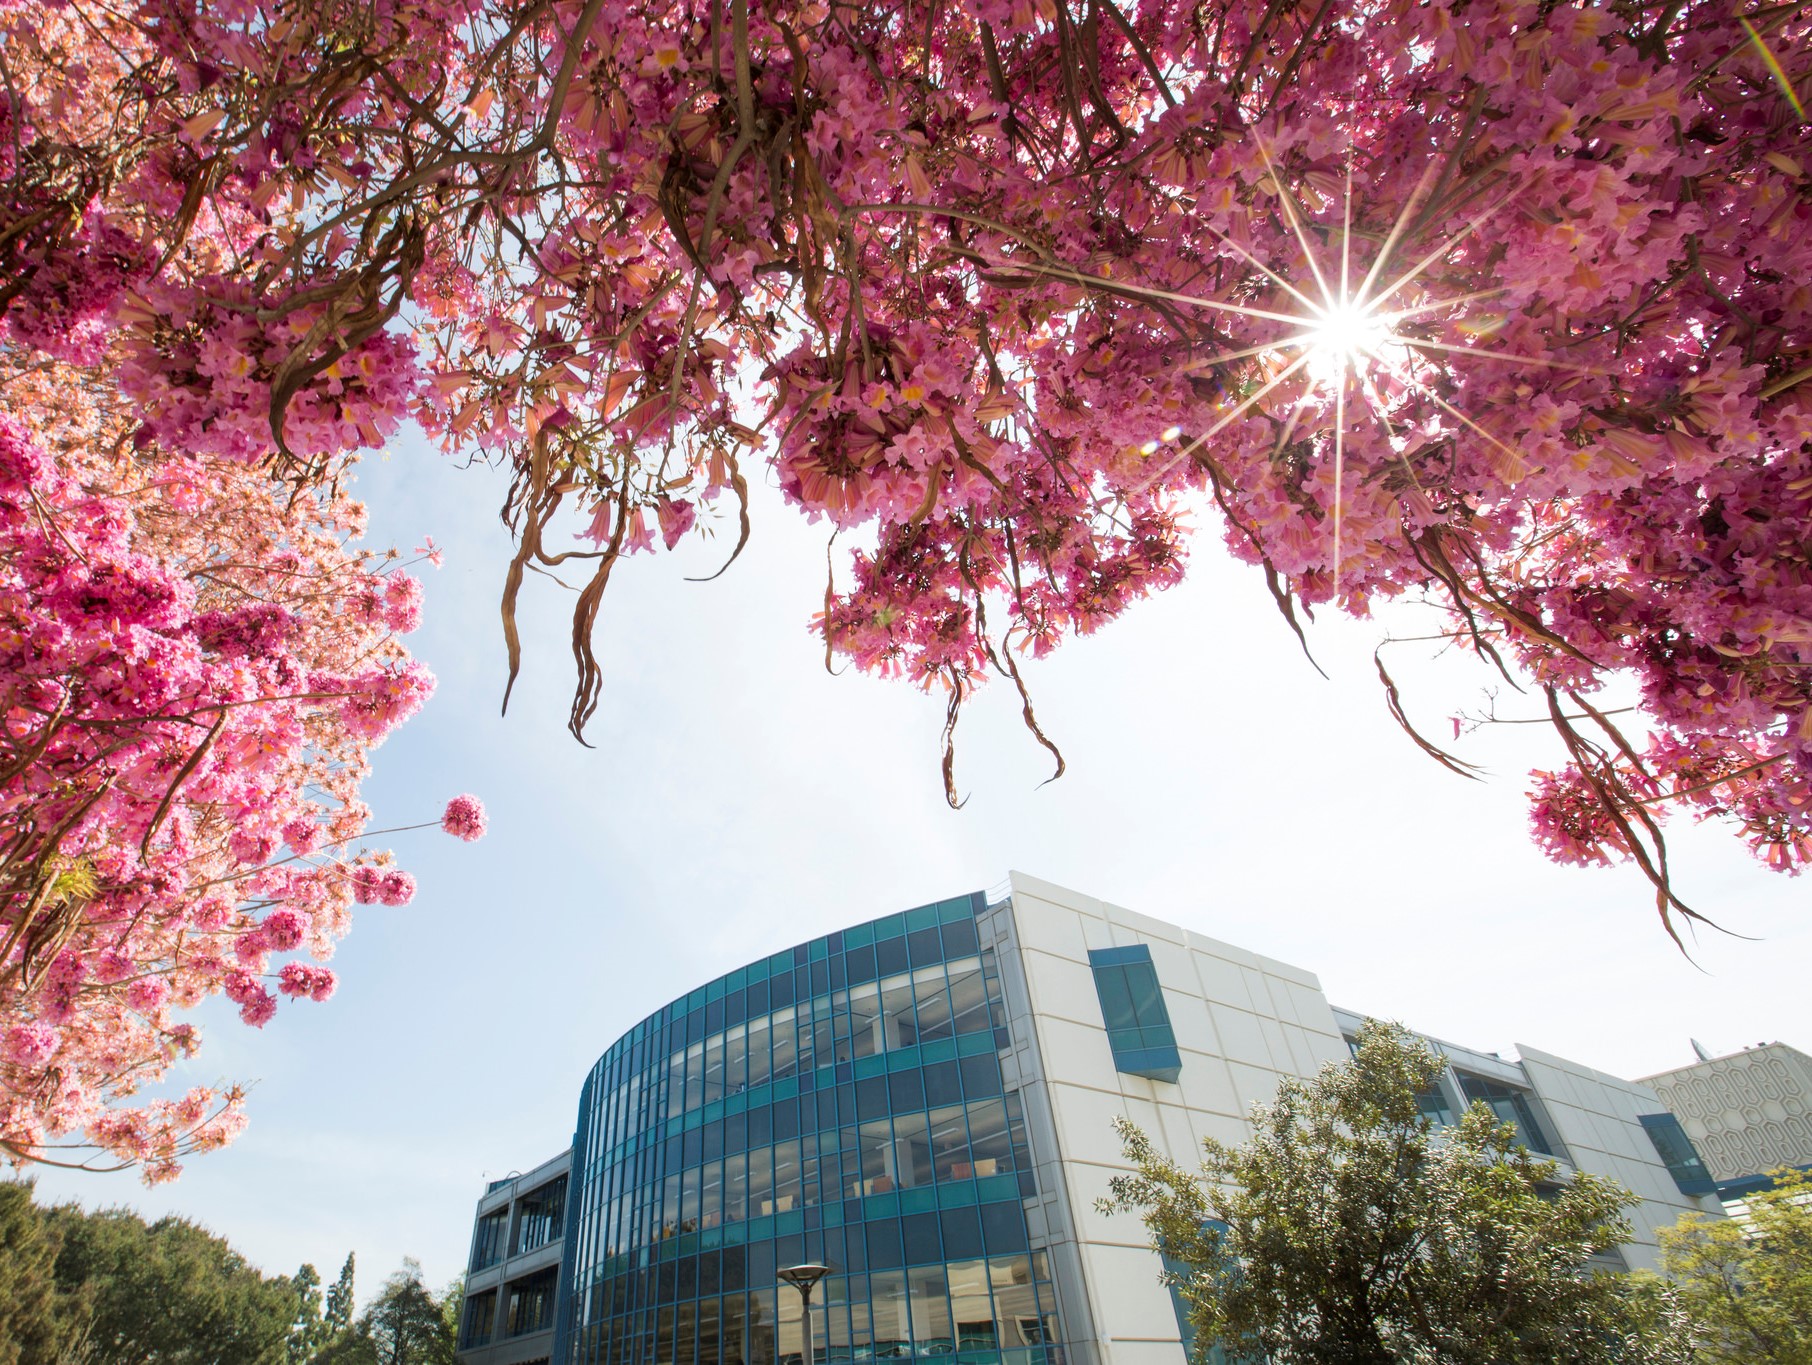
{"x":924,"y":1103}
{"x":1747,"y":1113}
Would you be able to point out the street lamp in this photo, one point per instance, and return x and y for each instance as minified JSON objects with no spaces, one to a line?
{"x":805,"y":1278}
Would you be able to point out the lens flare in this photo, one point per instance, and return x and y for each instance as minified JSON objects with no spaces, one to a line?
{"x":1345,"y":336}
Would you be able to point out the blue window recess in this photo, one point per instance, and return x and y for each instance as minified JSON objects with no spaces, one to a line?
{"x":1178,"y":1271}
{"x":1138,"y":1025}
{"x":1678,"y":1154}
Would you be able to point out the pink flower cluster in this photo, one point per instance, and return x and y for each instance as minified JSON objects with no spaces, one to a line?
{"x":464,"y":818}
{"x":1006,"y":321}
{"x":189,"y":683}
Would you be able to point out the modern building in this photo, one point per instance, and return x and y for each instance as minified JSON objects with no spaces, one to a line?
{"x":925,"y":1104}
{"x":1747,"y":1113}
{"x":513,"y":1273}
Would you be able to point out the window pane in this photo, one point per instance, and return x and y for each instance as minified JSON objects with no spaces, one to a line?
{"x":968,"y":997}
{"x":1147,"y":999}
{"x":1116,"y":998}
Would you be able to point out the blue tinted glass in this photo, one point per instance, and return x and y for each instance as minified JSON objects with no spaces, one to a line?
{"x":1132,"y":1007}
{"x":900,"y":1163}
{"x":1678,"y":1154}
{"x":1116,"y":998}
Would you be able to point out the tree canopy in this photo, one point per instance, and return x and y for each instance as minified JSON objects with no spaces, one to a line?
{"x":1350,"y":1230}
{"x":406,"y":1324}
{"x":1750,"y":1282}
{"x":1497,"y":303}
{"x":108,"y":1288}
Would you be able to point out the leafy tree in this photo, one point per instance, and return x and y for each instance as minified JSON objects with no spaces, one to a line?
{"x":1517,"y":326}
{"x":170,"y":1292}
{"x":1751,"y":1286}
{"x":1349,"y":1231}
{"x":40,"y":1323}
{"x":452,"y":1305}
{"x":404,"y":1325}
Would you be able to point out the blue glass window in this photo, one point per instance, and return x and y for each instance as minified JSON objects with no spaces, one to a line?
{"x":487,"y":1245}
{"x":1132,"y":1006}
{"x":854,"y":1115}
{"x":1179,"y":1271}
{"x":1511,"y":1106}
{"x":1678,"y":1154}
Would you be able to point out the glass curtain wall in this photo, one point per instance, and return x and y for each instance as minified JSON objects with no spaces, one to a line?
{"x":839,"y":1102}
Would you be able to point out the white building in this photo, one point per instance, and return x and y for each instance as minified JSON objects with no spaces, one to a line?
{"x":1748,"y":1112}
{"x":1242,"y":1024}
{"x":922,"y":1105}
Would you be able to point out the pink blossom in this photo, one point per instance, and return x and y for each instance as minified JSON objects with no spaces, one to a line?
{"x":29,"y":1045}
{"x":397,"y":888}
{"x":676,"y":516}
{"x":464,"y":818}
{"x":283,"y":929}
{"x":148,"y":995}
{"x":301,"y":979}
{"x":367,"y":885}
{"x":258,"y":1007}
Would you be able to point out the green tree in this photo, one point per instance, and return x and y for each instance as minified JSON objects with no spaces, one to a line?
{"x":452,"y":1305}
{"x":340,"y":1298}
{"x":308,"y":1333}
{"x":169,"y":1292}
{"x":1750,"y":1287}
{"x":39,"y":1323}
{"x":1350,"y":1231}
{"x":404,"y":1325}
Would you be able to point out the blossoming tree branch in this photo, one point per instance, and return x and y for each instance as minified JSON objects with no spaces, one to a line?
{"x":194,"y":662}
{"x":1504,"y":304}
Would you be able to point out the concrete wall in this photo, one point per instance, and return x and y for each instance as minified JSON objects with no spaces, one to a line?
{"x":1243,"y":1024}
{"x":1596,"y":1116}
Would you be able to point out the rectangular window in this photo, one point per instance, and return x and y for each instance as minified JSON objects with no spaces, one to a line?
{"x":481,"y":1318}
{"x":1132,"y":1007}
{"x":1511,"y":1106}
{"x":1678,"y":1154}
{"x":532,"y":1304}
{"x":541,"y":1216}
{"x":487,"y":1245}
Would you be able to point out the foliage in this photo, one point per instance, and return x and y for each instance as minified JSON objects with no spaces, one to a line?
{"x":338,"y":1316}
{"x":106,"y":1288}
{"x":40,"y":1324}
{"x":309,"y":1332}
{"x":170,"y":1291}
{"x":1349,"y":1231}
{"x":404,"y":1325}
{"x":1751,"y":1286}
{"x":1498,"y":303}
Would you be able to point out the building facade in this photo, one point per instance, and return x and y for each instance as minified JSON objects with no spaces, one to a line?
{"x":924,"y":1103}
{"x":1747,"y":1113}
{"x":513,"y":1272}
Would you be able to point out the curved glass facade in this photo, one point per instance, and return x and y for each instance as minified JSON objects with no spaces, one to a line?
{"x":839,"y":1102}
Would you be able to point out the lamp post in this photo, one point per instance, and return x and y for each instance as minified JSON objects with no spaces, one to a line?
{"x":805,"y":1278}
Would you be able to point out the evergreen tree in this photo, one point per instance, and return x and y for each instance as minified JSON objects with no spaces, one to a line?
{"x":308,"y":1332}
{"x":339,"y":1299}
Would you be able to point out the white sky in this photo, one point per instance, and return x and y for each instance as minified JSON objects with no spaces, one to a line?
{"x":740,"y":800}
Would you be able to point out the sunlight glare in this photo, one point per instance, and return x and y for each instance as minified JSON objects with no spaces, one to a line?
{"x":1345,"y":334}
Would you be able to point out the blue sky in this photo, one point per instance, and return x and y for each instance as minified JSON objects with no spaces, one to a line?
{"x":738,"y":800}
